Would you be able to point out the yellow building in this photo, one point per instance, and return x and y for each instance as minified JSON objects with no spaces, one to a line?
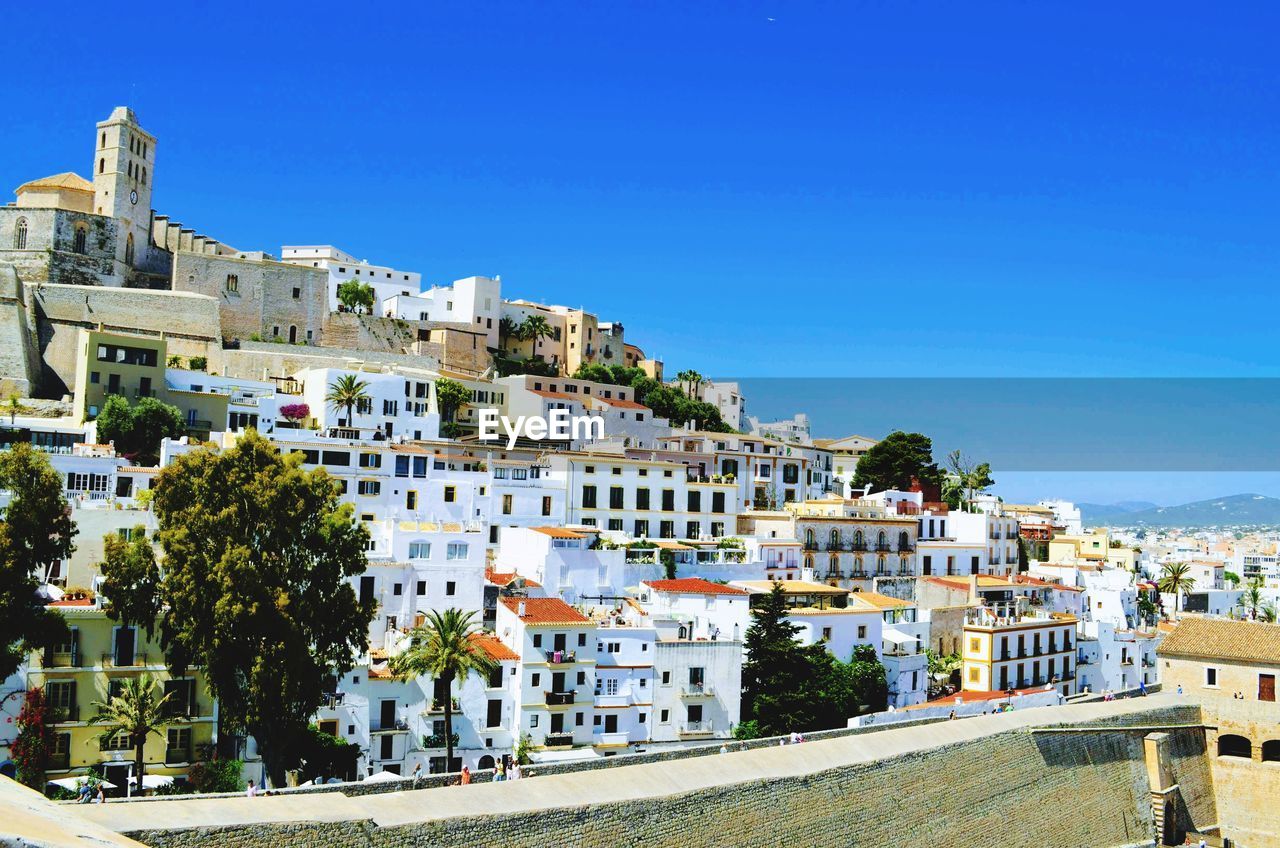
{"x":1091,"y":547}
{"x":96,"y":660}
{"x":1009,"y":645}
{"x":133,"y":367}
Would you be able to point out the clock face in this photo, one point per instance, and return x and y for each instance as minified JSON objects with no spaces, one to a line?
{"x":133,"y":197}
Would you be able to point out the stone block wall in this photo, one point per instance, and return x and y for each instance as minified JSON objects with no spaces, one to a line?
{"x":1017,"y":787}
{"x":19,"y":361}
{"x":262,"y":300}
{"x":49,"y":255}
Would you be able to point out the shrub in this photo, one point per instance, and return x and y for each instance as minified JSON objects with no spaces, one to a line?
{"x":216,"y":776}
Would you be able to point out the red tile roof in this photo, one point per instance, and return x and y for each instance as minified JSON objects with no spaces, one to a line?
{"x":693,"y":585}
{"x":1036,"y":581}
{"x":491,"y":646}
{"x":503,"y":578}
{"x":73,"y":602}
{"x":622,"y":404}
{"x":558,"y":532}
{"x":557,"y":395}
{"x":545,"y":611}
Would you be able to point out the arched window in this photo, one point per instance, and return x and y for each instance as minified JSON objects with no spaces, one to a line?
{"x":128,"y":250}
{"x":835,"y":540}
{"x":882,"y":541}
{"x":857,"y":540}
{"x":144,"y":175}
{"x":102,"y":166}
{"x":904,"y":541}
{"x":1271,"y":751}
{"x":104,"y":140}
{"x":1232,"y":745}
{"x":82,"y":239}
{"x":808,"y":561}
{"x":20,"y":235}
{"x":130,"y":169}
{"x":808,"y":537}
{"x":833,"y":565}
{"x":486,"y":762}
{"x":880,"y":569}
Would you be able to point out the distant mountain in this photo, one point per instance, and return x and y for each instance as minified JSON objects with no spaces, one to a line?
{"x":1093,"y":512}
{"x":1233,"y":509}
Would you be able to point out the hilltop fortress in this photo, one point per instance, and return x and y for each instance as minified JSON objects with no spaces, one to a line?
{"x":94,"y":253}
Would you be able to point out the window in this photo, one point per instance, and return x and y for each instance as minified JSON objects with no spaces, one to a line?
{"x":420,"y":550}
{"x":411,"y":500}
{"x":668,"y":500}
{"x":233,"y":283}
{"x":20,"y":235}
{"x":695,"y":502}
{"x":368,"y":487}
{"x":546,"y":505}
{"x":1211,"y":677}
{"x":450,"y":494}
{"x":615,"y":497}
{"x":506,"y":504}
{"x":1232,"y":745}
{"x":642,"y":498}
{"x":457,"y":550}
{"x":370,"y":460}
{"x":588,"y":497}
{"x":81,"y":240}
{"x":973,"y":646}
{"x":973,"y":674}
{"x":862,"y":631}
{"x":450,"y":587}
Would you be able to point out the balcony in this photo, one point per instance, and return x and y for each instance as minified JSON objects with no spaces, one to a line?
{"x":60,"y":762}
{"x":858,"y":573}
{"x":859,"y":547}
{"x":833,"y":574}
{"x":697,"y":728}
{"x":558,"y":699}
{"x":119,"y":660}
{"x":437,"y":706}
{"x":694,"y":691}
{"x":610,"y":740}
{"x":561,"y":657}
{"x":558,"y":740}
{"x":64,"y":713}
{"x":906,"y":549}
{"x":60,"y":659}
{"x":437,"y":740}
{"x":836,"y":546}
{"x":810,"y":546}
{"x":182,"y":709}
{"x":883,"y":547}
{"x":397,"y":725}
{"x":905,"y":572}
{"x":177,"y":756}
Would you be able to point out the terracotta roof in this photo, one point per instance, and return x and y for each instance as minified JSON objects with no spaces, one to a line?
{"x":491,"y":646}
{"x":545,"y":611}
{"x":504,"y":578}
{"x":693,"y":585}
{"x":558,"y":533}
{"x":74,"y":602}
{"x":879,"y":601}
{"x":1219,"y":638}
{"x":622,"y":404}
{"x":65,"y":180}
{"x":668,"y":545}
{"x":137,"y":469}
{"x":557,"y":395}
{"x":793,"y":587}
{"x":985,"y":581}
{"x":1036,"y":581}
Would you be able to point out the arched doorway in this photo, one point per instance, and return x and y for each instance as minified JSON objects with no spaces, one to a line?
{"x":486,"y":762}
{"x":1270,"y":751}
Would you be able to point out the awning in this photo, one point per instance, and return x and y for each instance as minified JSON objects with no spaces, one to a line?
{"x":383,"y":776}
{"x":668,"y":545}
{"x":897,"y":637}
{"x":73,"y":783}
{"x":564,"y":756}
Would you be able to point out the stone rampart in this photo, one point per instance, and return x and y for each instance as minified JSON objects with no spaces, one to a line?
{"x":1061,"y":776}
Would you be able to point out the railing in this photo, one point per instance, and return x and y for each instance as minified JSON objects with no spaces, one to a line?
{"x":835,"y":546}
{"x":174,"y":756}
{"x":834,"y":573}
{"x":696,"y":728}
{"x":65,"y":713}
{"x":558,"y":740}
{"x":60,"y":659}
{"x":181,"y":709}
{"x":611,"y":739}
{"x":905,"y":572}
{"x":697,"y":690}
{"x":333,"y":700}
{"x":560,"y":657}
{"x":393,"y":726}
{"x":558,"y":699}
{"x":859,"y":547}
{"x":59,"y":762}
{"x":438,"y":706}
{"x":118,"y":660}
{"x":437,"y":740}
{"x":810,"y":546}
{"x":858,"y":572}
{"x":905,"y":549}
{"x":883,"y":547}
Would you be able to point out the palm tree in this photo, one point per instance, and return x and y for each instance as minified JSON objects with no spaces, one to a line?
{"x":139,"y":710}
{"x":443,"y":649}
{"x":1175,"y":579}
{"x":347,"y":392}
{"x":1252,"y":599}
{"x":690,"y":380}
{"x":507,"y":329}
{"x":535,"y":327}
{"x":15,"y":406}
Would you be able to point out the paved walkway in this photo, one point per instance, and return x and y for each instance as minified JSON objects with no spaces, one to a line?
{"x":594,"y":787}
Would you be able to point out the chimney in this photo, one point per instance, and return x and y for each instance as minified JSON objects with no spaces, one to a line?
{"x":520,"y":609}
{"x":973,"y":588}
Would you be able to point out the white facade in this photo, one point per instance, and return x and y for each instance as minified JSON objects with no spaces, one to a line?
{"x":398,"y":405}
{"x":473,"y":301}
{"x":386,"y":282}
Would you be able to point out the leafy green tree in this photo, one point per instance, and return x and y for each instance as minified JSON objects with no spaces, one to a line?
{"x":35,"y":531}
{"x":34,"y":741}
{"x":138,"y":430}
{"x":216,"y":775}
{"x":1175,"y":579}
{"x":450,"y":397}
{"x":896,"y":461}
{"x":131,"y":579}
{"x":442,"y":648}
{"x":1252,"y":599}
{"x":325,"y":755}
{"x":347,"y":392}
{"x":690,"y":380}
{"x":139,"y":711}
{"x":970,"y":478}
{"x":14,"y":406}
{"x":1231,"y":578}
{"x":775,"y":681}
{"x":256,"y":588}
{"x":507,"y":329}
{"x":356,"y":296}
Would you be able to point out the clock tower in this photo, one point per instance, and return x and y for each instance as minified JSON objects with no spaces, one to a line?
{"x":123,"y":170}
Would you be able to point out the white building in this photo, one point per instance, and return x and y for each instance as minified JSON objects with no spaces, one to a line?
{"x":473,"y":301}
{"x":793,"y":430}
{"x":386,"y":282}
{"x":396,"y":404}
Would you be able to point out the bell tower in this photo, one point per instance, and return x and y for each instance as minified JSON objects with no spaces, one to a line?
{"x":123,"y":170}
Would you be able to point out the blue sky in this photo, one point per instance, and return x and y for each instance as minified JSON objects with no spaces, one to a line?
{"x":754,"y":189}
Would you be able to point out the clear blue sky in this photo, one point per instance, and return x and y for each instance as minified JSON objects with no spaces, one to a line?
{"x":754,"y":189}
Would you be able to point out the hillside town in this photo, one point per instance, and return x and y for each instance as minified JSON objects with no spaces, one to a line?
{"x":314,"y":521}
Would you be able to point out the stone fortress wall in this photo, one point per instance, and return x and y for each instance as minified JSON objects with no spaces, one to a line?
{"x":1061,"y":776}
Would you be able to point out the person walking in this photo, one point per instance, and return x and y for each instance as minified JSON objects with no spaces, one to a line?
{"x":516,"y":771}
{"x":466,"y":776}
{"x":1142,"y":688}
